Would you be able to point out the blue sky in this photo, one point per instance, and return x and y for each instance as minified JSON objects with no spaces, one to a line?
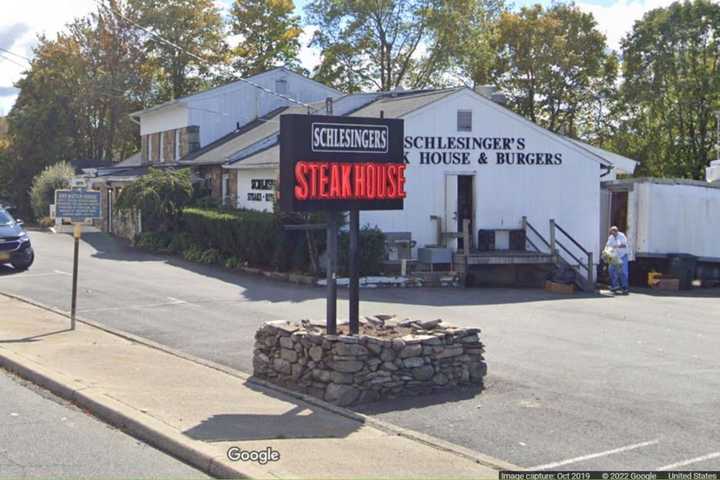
{"x":22,"y":21}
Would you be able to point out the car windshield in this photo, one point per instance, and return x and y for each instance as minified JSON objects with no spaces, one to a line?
{"x":5,"y":218}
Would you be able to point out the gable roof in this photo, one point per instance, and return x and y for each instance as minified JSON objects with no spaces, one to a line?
{"x":216,"y":153}
{"x":401,"y":104}
{"x":228,"y":86}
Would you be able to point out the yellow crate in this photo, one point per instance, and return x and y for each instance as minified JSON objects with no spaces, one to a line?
{"x":654,"y":278}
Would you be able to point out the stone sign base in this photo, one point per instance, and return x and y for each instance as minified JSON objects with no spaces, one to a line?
{"x":389,"y":358}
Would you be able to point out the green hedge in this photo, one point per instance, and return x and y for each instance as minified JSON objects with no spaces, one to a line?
{"x":257,"y":239}
{"x":249,"y":236}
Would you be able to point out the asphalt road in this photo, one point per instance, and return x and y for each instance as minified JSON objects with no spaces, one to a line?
{"x":581,"y":382}
{"x":42,"y":436}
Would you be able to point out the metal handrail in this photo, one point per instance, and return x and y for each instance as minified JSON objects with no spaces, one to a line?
{"x":580,"y":263}
{"x":536,"y":233}
{"x":533,"y":244}
{"x":572,"y":239}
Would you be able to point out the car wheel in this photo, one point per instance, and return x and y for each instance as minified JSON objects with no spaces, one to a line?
{"x":24,"y":264}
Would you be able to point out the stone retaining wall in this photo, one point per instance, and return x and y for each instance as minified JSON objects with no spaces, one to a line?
{"x":402,"y":358}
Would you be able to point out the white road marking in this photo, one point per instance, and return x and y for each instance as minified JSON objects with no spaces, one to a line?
{"x":595,"y":455}
{"x":173,"y":301}
{"x":29,"y":275}
{"x":673,"y":466}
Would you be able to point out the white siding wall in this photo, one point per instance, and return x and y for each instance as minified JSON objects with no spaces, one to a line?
{"x":677,"y":219}
{"x":165,"y":119}
{"x":569,"y":193}
{"x":217,"y":112}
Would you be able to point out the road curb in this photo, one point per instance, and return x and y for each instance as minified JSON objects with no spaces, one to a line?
{"x":167,"y":441}
{"x":436,"y":443}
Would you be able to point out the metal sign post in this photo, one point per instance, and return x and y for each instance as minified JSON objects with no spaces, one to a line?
{"x":332,"y":244}
{"x":76,"y":234}
{"x":77,"y":205}
{"x":354,"y":271}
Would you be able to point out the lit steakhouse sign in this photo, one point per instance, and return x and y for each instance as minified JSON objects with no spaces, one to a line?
{"x":341,"y":163}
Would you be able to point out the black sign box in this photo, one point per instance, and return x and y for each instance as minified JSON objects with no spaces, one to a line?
{"x":341,"y":163}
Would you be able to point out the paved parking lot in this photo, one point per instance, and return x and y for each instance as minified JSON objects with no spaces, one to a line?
{"x":579,"y":382}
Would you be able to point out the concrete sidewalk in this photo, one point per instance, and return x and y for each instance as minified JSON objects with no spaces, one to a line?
{"x":196,"y":412}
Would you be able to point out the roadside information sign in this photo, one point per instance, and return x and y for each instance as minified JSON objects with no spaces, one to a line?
{"x":77,"y":204}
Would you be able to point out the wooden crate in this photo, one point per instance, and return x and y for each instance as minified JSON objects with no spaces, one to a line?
{"x":666,"y":284}
{"x":555,"y":287}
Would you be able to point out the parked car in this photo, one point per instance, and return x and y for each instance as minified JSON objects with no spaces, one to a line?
{"x":15,"y":247}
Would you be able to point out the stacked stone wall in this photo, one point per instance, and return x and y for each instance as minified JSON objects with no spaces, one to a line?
{"x":405,"y":358}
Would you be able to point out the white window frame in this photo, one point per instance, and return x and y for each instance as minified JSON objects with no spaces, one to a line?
{"x":284,"y":82}
{"x":162,"y":148}
{"x":464,"y":128}
{"x":177,"y":144}
{"x":149,"y":147}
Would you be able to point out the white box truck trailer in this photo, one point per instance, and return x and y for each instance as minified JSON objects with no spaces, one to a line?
{"x":672,"y":225}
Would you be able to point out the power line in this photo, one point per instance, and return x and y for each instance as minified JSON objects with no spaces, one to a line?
{"x":198,"y":58}
{"x":3,"y":57}
{"x":16,"y":54}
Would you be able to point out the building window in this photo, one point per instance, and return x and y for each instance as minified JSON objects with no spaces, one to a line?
{"x":162,"y":147}
{"x":464,"y":120}
{"x":150,"y":148}
{"x":281,"y":86}
{"x":177,"y":144}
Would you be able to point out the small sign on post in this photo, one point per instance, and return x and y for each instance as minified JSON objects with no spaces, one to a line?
{"x":337,"y":164}
{"x":77,"y":205}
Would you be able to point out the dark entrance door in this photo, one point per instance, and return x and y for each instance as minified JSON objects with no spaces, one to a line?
{"x":619,"y":208}
{"x":465,"y":206}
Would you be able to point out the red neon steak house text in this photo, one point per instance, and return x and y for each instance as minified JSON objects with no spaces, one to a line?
{"x":348,"y":181}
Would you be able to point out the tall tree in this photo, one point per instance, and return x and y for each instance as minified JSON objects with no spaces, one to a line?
{"x":197,"y":27}
{"x":459,"y":44}
{"x":269,"y":34}
{"x":367,"y":44}
{"x":552,"y":63}
{"x":671,"y":86}
{"x":75,"y":98}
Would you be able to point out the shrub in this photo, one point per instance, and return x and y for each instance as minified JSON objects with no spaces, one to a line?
{"x":372,"y":251}
{"x":192,"y":253}
{"x":245,"y":234}
{"x":42,"y":192}
{"x":154,"y":241}
{"x":233,"y":263}
{"x":160,"y":196}
{"x":46,"y":222}
{"x":210,"y":256}
{"x":180,"y":242}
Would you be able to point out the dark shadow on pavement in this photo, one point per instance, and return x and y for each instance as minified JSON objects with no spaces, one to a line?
{"x":458,"y":394}
{"x":258,"y":288}
{"x":35,"y":338}
{"x":8,"y":270}
{"x":301,"y":421}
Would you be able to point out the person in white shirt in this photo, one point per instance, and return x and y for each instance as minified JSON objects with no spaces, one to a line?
{"x":618,"y":242}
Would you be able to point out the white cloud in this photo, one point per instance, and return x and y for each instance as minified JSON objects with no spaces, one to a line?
{"x":20,"y":24}
{"x":309,"y":56}
{"x":617,"y":19}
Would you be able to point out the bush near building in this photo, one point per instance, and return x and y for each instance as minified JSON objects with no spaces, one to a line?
{"x":42,"y":192}
{"x":160,"y":196}
{"x":256,"y":239}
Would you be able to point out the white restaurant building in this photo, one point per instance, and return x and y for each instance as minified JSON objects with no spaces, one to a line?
{"x":468,"y":158}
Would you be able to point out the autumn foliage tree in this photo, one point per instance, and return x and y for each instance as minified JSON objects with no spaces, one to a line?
{"x":671,"y":87}
{"x":269,"y":35}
